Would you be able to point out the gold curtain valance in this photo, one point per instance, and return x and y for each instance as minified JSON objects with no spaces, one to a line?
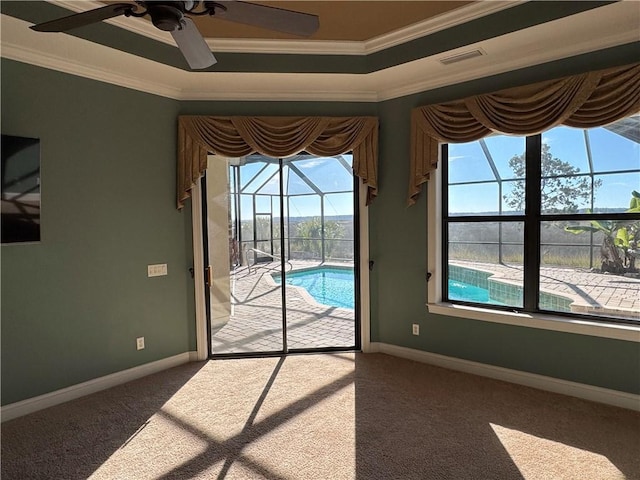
{"x":584,"y":101}
{"x":278,"y":137}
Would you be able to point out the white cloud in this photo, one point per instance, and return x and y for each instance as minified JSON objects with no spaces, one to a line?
{"x":309,"y":164}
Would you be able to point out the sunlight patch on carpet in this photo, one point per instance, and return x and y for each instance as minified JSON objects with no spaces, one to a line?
{"x":539,"y":458}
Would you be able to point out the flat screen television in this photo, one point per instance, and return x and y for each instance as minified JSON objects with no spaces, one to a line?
{"x":20,"y":174}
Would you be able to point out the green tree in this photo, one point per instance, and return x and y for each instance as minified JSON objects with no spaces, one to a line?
{"x":561,"y":190}
{"x":310,"y":232}
{"x":620,"y":241}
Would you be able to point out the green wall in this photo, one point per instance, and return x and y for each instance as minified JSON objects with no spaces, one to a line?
{"x":73,"y":304}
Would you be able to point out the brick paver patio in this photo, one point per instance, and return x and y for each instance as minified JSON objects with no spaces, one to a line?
{"x":256,"y":318}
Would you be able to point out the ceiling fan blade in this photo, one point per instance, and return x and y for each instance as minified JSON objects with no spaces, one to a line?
{"x":84,"y":18}
{"x":192,"y":45}
{"x":272,"y":18}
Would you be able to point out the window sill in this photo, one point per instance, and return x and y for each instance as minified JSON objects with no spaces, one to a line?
{"x":630,"y":333}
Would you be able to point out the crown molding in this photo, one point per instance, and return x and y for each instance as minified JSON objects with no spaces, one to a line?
{"x":295,"y":47}
{"x":72,"y":55}
{"x":317,"y":95}
{"x":132,"y":24}
{"x":280,"y":87}
{"x":430,"y":26}
{"x":459,"y":16}
{"x":533,"y":46}
{"x":319,"y":47}
{"x":32,"y":57}
{"x":80,"y":57}
{"x":596,"y":29}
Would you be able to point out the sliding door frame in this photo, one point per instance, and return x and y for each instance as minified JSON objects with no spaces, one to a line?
{"x":201,"y":324}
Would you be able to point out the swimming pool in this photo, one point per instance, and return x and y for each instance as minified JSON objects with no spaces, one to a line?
{"x":327,"y":285}
{"x":466,"y":292}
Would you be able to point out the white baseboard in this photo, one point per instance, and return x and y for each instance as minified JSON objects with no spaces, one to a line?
{"x":372,"y":347}
{"x":30,"y":405}
{"x":565,"y":387}
{"x":556,"y":385}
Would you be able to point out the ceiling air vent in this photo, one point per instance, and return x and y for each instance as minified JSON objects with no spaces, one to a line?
{"x":462,"y":56}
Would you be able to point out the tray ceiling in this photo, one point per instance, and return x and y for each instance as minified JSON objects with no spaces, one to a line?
{"x":364,"y":51}
{"x":339,"y":20}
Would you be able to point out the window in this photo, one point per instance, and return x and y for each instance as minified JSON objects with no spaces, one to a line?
{"x":544,"y":224}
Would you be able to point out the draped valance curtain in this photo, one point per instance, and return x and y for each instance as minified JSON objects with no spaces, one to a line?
{"x":278,"y":137}
{"x":584,"y":101}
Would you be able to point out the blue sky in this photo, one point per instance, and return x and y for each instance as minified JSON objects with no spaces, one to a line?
{"x":467,"y":162}
{"x":327,"y":173}
{"x":610,"y":153}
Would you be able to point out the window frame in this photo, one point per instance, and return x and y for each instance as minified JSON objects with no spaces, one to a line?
{"x":529,"y":315}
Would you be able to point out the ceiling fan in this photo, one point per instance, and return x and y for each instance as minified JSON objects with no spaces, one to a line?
{"x":174,"y":17}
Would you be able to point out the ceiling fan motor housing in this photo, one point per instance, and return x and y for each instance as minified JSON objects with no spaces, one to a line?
{"x":168,"y":16}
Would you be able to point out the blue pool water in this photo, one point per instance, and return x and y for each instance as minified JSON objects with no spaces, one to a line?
{"x":465,"y":292}
{"x":329,"y":286}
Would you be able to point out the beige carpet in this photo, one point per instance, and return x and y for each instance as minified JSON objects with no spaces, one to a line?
{"x":330,"y":417}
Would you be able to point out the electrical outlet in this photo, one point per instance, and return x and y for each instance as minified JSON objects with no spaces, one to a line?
{"x":157,"y":270}
{"x":416,"y":329}
{"x":140,"y":343}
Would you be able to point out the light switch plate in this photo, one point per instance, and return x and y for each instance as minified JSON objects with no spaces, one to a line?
{"x":157,"y":270}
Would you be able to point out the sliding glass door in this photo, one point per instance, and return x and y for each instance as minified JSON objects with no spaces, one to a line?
{"x":320,"y":217}
{"x":274,"y":222}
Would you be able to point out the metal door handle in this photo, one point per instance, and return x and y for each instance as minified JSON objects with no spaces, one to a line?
{"x":209,"y":276}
